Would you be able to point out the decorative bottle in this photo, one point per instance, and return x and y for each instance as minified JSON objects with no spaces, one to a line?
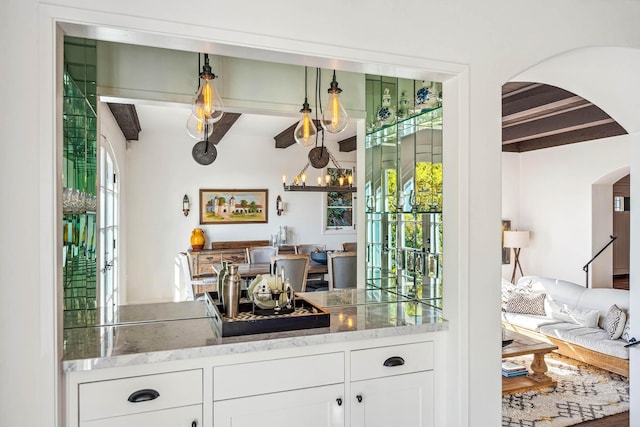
{"x":231,"y":292}
{"x":197,"y":239}
{"x":221,"y":274}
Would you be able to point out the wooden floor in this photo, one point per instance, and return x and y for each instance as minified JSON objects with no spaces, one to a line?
{"x":618,"y":420}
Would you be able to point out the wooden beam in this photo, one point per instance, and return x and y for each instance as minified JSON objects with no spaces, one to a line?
{"x":127,"y":119}
{"x":222,"y":127}
{"x":555,"y":123}
{"x":285,"y":138}
{"x":536,"y":97}
{"x":348,"y":144}
{"x":580,"y":135}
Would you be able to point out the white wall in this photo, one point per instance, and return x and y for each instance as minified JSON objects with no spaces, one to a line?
{"x":160,"y":171}
{"x":555,"y":203}
{"x":511,"y":200}
{"x":491,"y":40}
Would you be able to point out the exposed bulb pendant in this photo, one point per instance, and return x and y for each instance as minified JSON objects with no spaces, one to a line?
{"x":335,"y":118}
{"x":207,"y":105}
{"x":196,"y":125}
{"x":305,"y":132}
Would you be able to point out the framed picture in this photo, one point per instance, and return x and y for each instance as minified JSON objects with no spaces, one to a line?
{"x":234,"y":206}
{"x":338,"y":215}
{"x":506,"y":252}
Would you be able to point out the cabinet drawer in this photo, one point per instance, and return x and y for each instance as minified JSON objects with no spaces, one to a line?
{"x":393,"y":360}
{"x":269,"y":376}
{"x":177,"y":417}
{"x":110,"y":398}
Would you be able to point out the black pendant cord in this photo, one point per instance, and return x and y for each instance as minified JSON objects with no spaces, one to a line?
{"x":206,"y":137}
{"x":319,"y":108}
{"x":198,"y":74}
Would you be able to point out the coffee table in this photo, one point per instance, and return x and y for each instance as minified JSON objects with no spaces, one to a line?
{"x":537,"y":377}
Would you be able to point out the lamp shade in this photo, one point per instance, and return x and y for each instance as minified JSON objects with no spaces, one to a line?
{"x":516,"y":239}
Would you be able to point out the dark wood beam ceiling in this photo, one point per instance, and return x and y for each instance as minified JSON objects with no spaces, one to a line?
{"x":348,"y":144}
{"x":285,"y":138}
{"x":127,"y":119}
{"x":221,"y":128}
{"x":536,"y":116}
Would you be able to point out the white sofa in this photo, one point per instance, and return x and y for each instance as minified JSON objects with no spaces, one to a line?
{"x":590,"y":343}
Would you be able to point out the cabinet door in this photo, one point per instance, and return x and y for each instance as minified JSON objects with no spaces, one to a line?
{"x":187,"y":416}
{"x":402,"y":400}
{"x":318,"y":406}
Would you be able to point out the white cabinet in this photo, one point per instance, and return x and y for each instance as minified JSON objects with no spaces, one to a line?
{"x":318,"y":406}
{"x":401,"y":400}
{"x":282,"y":392}
{"x":187,"y":416}
{"x":384,"y":382}
{"x":172,"y":399}
{"x":392,"y":385}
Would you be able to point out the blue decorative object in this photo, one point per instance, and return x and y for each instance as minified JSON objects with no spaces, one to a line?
{"x":422,"y":95}
{"x":383,"y":114}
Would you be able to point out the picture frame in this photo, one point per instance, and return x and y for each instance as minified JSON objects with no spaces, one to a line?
{"x":222,"y":206}
{"x":506,"y":252}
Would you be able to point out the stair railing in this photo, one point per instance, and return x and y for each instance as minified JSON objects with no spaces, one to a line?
{"x":586,"y":266}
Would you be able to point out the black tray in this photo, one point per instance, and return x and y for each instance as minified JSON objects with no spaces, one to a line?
{"x":249,"y":321}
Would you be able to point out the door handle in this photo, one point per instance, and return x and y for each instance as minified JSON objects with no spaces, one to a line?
{"x":359,"y":397}
{"x":143,"y":395}
{"x":394,"y":361}
{"x":339,"y":400}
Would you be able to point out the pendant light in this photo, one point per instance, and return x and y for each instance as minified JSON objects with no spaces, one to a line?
{"x":196,"y":126}
{"x":335,"y":118}
{"x":207,"y":105}
{"x":305,"y":132}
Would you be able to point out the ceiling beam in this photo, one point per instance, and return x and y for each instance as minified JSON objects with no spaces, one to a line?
{"x":559,"y":122}
{"x":538,"y":96}
{"x":579,"y":135}
{"x":348,"y":144}
{"x":127,"y":119}
{"x":222,"y":127}
{"x":285,"y":138}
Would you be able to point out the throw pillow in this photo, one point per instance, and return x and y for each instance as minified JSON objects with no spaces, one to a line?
{"x":579,"y":316}
{"x":626,"y":332}
{"x":614,"y":322}
{"x":527,"y":304}
{"x":509,"y":290}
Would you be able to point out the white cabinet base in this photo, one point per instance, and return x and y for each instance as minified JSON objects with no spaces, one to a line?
{"x":318,"y":407}
{"x":175,"y":417}
{"x":401,"y":400}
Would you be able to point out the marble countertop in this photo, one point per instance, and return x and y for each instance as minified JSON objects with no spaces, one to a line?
{"x":173,"y":331}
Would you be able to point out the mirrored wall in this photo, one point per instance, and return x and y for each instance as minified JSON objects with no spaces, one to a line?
{"x":403,"y":190}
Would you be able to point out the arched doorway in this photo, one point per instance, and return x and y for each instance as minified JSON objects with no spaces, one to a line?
{"x":606,"y":76}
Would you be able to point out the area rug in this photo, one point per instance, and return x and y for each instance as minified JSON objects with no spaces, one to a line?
{"x":583,"y":393}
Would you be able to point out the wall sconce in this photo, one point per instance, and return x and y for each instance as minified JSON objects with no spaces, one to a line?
{"x":279,"y":205}
{"x":185,"y":205}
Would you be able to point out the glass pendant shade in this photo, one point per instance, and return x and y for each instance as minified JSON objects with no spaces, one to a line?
{"x":334,"y":116}
{"x":207,"y":104}
{"x":195,"y":127}
{"x":305,"y":132}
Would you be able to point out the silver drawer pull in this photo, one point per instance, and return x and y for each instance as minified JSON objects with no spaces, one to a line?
{"x":394,"y":361}
{"x":143,"y":395}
